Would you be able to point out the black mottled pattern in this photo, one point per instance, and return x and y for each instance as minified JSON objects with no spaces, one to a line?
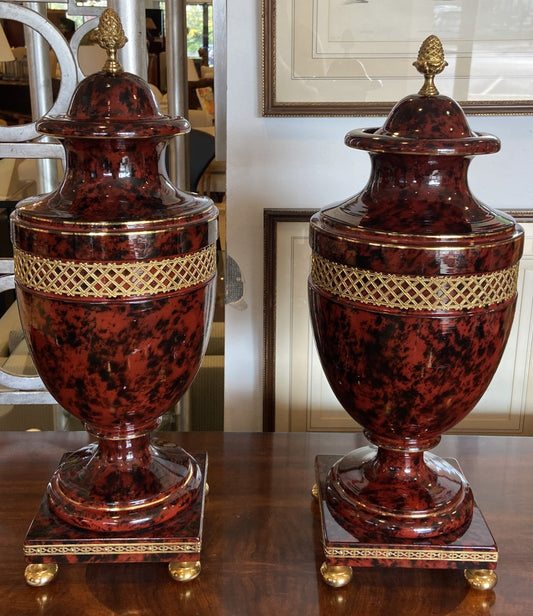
{"x":160,"y":482}
{"x":340,"y":534}
{"x":408,"y":375}
{"x":405,"y":375}
{"x":387,"y":493}
{"x":50,"y":530}
{"x":119,"y":364}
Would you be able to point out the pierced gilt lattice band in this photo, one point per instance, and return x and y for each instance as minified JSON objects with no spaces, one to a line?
{"x":114,"y":280}
{"x":414,"y":292}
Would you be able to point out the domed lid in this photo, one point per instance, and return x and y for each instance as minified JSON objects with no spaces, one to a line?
{"x":427,"y":122}
{"x":112,"y":103}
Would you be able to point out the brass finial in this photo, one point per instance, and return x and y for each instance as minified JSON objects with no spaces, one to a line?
{"x":430,"y":62}
{"x":110,"y":36}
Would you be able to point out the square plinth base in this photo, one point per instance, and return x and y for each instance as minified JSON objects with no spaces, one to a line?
{"x":50,"y":540}
{"x":475,"y":549}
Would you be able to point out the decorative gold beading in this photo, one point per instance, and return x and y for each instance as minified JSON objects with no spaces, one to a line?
{"x":110,"y":36}
{"x":445,"y":293}
{"x":411,"y":554}
{"x":114,"y":280}
{"x":99,"y":549}
{"x":430,"y":62}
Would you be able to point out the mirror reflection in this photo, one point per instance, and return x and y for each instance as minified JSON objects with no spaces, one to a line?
{"x":202,"y":408}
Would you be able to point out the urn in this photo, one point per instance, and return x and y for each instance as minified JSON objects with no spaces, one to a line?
{"x":115,"y":276}
{"x":412,"y":293}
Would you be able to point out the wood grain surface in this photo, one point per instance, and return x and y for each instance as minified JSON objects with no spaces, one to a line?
{"x":261,"y":550}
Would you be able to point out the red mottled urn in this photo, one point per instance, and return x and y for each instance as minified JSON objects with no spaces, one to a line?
{"x":412,"y":295}
{"x":115,"y":275}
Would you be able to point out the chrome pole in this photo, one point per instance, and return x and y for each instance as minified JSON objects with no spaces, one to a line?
{"x":177,"y":89}
{"x":219,"y":27}
{"x":41,"y":95}
{"x":134,"y":55}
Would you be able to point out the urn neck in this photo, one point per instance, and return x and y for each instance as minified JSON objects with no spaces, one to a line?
{"x":125,"y":452}
{"x":417,"y":178}
{"x":112,"y":160}
{"x":122,"y":180}
{"x":419,"y":195}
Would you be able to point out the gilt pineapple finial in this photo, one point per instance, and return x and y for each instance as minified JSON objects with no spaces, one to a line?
{"x":430,"y":62}
{"x":110,"y":36}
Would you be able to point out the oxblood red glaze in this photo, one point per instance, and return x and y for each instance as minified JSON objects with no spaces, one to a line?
{"x":398,"y":374}
{"x":347,"y":544}
{"x":117,"y":366}
{"x":118,"y":363}
{"x":408,"y":374}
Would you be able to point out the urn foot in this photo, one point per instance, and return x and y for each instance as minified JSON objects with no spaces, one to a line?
{"x":474,"y":551}
{"x":392,"y":494}
{"x":124,"y":484}
{"x":51,"y":541}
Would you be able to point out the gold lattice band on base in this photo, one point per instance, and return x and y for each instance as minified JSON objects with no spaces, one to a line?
{"x":412,"y":554}
{"x":414,"y":292}
{"x":114,"y":280}
{"x":99,"y":549}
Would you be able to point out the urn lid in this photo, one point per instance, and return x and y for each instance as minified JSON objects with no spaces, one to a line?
{"x":418,"y":190}
{"x":426,"y":122}
{"x":112,"y":103}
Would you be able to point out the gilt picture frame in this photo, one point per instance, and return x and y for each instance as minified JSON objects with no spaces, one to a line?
{"x":354,"y":57}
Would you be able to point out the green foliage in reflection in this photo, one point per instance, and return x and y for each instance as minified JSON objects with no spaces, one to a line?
{"x":195,"y":28}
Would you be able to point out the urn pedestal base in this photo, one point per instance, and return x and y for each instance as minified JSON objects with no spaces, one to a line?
{"x":475,"y":551}
{"x":51,"y":541}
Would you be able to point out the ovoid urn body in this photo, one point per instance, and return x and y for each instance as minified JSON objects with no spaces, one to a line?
{"x":115,"y":275}
{"x":412,"y":295}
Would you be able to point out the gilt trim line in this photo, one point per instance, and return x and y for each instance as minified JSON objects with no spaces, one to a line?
{"x":98,"y":549}
{"x":411,"y":554}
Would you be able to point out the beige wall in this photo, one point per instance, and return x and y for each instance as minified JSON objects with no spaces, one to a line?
{"x":302,"y":163}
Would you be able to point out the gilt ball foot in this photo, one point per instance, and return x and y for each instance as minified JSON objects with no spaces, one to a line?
{"x":184,"y":571}
{"x":38,"y":574}
{"x":481,"y":579}
{"x":336,"y":575}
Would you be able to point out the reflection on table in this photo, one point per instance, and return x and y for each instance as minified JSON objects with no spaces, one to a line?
{"x":261,"y":551}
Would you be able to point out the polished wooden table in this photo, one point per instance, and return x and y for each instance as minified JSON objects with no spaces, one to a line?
{"x":261,"y":548}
